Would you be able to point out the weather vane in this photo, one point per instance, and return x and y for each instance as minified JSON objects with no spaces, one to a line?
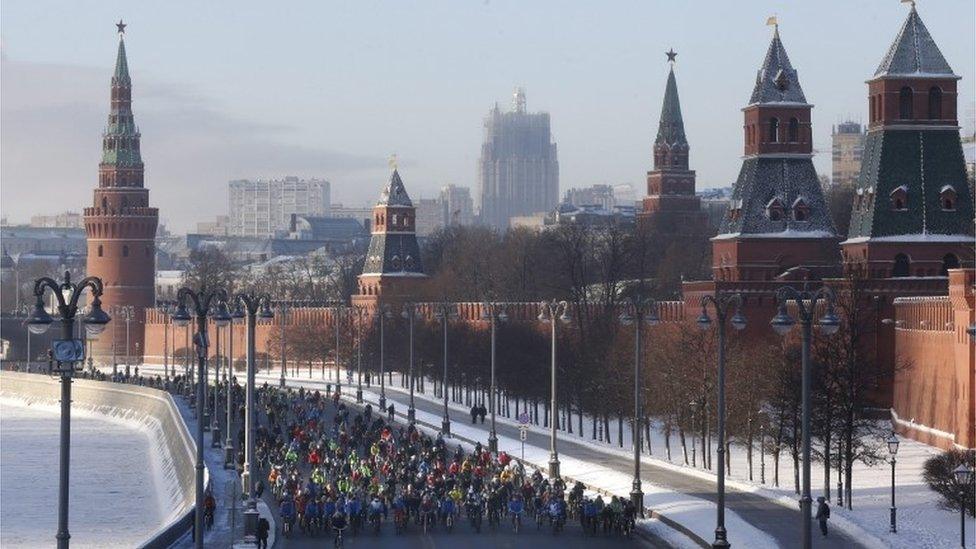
{"x":393,"y":161}
{"x":671,"y":55}
{"x":773,"y":21}
{"x":121,"y":26}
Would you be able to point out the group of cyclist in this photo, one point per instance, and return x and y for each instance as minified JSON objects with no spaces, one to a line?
{"x":358,"y":471}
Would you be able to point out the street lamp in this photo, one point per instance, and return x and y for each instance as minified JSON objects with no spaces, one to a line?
{"x":283,"y":311}
{"x":410,"y":313}
{"x":165,"y":309}
{"x":445,"y":312}
{"x":723,"y":305}
{"x":782,"y":323}
{"x":201,"y":305}
{"x":383,"y":313}
{"x":67,"y":295}
{"x":360,"y":313}
{"x":893,"y":449}
{"x":338,"y":311}
{"x":964,"y":477}
{"x":236,"y":317}
{"x":493,"y":313}
{"x":635,"y":314}
{"x":548,"y":313}
{"x":253,"y":307}
{"x":222,"y":318}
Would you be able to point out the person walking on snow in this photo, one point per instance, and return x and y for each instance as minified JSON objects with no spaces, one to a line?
{"x":823,"y":513}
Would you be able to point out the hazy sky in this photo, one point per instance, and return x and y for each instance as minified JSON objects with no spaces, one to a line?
{"x":226,"y":90}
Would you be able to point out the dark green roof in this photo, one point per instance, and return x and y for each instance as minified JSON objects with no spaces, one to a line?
{"x":924,"y":162}
{"x":121,"y":65}
{"x":671,"y":129}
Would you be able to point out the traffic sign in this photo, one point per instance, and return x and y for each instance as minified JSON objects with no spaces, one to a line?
{"x":524,"y":418}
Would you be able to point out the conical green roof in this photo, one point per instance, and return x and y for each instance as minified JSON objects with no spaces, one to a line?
{"x":121,"y":66}
{"x":671,"y":129}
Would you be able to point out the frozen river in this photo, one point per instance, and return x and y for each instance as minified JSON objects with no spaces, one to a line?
{"x":114,"y":500}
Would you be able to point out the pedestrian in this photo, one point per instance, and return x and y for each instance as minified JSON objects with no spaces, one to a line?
{"x":482,"y":411}
{"x":823,"y":513}
{"x":263,"y":527}
{"x":474,"y":415}
{"x":259,"y":490}
{"x":389,"y":412}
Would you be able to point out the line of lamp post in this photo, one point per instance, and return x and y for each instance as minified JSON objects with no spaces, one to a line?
{"x":639,"y":312}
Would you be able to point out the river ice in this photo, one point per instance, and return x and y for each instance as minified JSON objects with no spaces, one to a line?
{"x":113,"y":498}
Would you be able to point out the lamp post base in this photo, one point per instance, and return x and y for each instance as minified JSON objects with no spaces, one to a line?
{"x":206,"y":422}
{"x":894,"y":525}
{"x":215,"y":438}
{"x":720,"y":539}
{"x":229,"y":456}
{"x":411,"y":414}
{"x":382,"y":404}
{"x":446,"y":426}
{"x":281,"y":382}
{"x":251,"y":519}
{"x":493,"y":443}
{"x":359,"y":396}
{"x":637,"y":498}
{"x":554,"y":466}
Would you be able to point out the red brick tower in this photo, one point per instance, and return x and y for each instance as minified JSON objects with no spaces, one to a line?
{"x":121,"y":227}
{"x":392,"y":271}
{"x":671,"y":205}
{"x":912,"y":213}
{"x":777,"y":225}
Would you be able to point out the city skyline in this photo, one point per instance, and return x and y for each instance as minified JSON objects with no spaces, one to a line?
{"x":207,"y":118}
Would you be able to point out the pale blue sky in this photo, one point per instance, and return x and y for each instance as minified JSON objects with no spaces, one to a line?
{"x":225,"y":89}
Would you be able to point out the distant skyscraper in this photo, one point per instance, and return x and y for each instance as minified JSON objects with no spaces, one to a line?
{"x":847,"y":145}
{"x":519,"y":172}
{"x":458,"y":208}
{"x":260,"y":208}
{"x":430,"y":216}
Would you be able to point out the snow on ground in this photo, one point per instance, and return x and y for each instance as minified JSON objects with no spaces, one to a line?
{"x":114,"y":502}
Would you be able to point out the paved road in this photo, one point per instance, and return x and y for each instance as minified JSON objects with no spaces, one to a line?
{"x":780,"y":522}
{"x":465,"y":536}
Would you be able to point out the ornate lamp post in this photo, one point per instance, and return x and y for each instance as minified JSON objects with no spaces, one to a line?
{"x":283,"y":311}
{"x":338,"y":312}
{"x":410,"y":313}
{"x":892,"y":443}
{"x":806,"y":304}
{"x":252,"y":307}
{"x":493,"y":313}
{"x":360,"y":313}
{"x":220,"y":321}
{"x":201,"y":304}
{"x":444,"y":313}
{"x":635,"y":314}
{"x":549,"y":313}
{"x":236,"y":317}
{"x":723,"y":305}
{"x":67,"y":295}
{"x":166,"y":309}
{"x":383,"y":313}
{"x":964,"y":477}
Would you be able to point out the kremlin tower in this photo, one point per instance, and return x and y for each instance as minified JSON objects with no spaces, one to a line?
{"x":121,"y":226}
